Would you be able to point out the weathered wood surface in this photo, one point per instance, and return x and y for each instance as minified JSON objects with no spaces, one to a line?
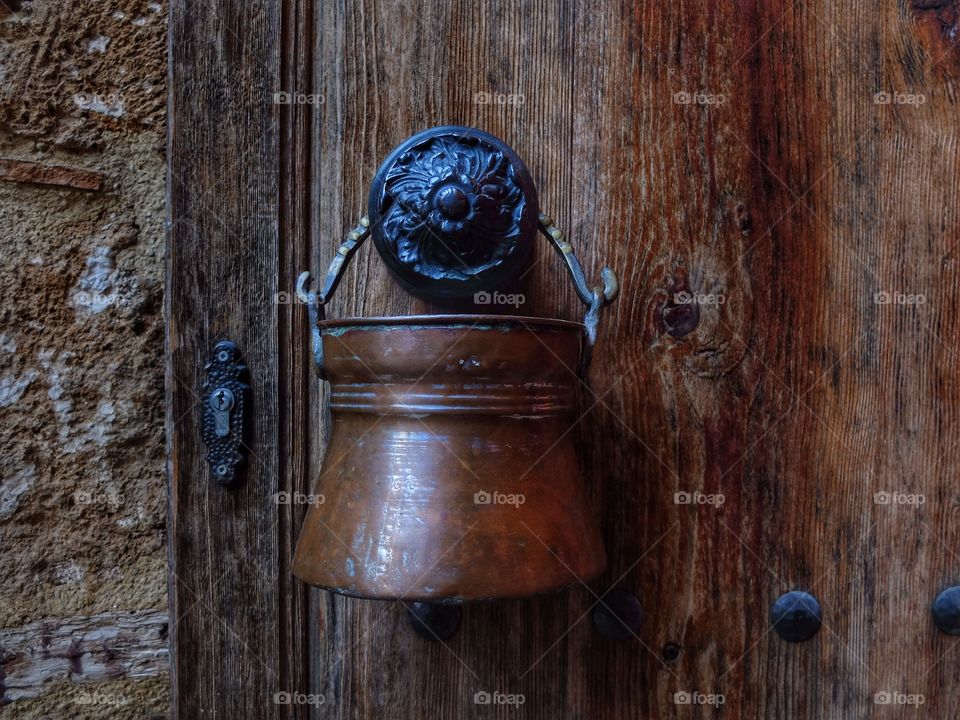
{"x":734,"y":149}
{"x":738,"y":150}
{"x":237,"y":630}
{"x":82,"y":649}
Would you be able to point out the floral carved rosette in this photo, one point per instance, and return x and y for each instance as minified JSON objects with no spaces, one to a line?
{"x":457,"y":209}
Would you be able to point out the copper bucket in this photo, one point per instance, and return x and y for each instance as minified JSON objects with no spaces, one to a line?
{"x":451,"y":472}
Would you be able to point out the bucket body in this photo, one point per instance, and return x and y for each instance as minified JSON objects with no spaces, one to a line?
{"x":451,"y":472}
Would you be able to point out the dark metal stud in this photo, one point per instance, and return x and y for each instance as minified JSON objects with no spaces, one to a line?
{"x":946,"y":611}
{"x":796,"y":616}
{"x":432,"y":621}
{"x":618,"y":615}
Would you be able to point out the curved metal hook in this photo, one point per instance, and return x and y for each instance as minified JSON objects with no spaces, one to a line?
{"x":594,"y":298}
{"x":345,"y":253}
{"x":611,"y":286}
{"x":315,"y":314}
{"x":314,"y":301}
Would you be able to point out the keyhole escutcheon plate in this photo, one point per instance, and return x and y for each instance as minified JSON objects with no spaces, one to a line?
{"x":224,"y":405}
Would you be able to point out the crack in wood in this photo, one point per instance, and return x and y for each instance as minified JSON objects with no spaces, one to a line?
{"x":82,"y":649}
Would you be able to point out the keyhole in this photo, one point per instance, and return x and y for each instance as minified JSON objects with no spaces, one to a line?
{"x":221,"y":400}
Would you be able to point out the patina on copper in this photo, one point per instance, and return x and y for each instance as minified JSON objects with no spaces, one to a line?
{"x":451,"y":473}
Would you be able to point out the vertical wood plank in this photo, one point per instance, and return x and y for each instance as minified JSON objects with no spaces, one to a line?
{"x":298,"y":420}
{"x":387,"y":70}
{"x":236,"y":238}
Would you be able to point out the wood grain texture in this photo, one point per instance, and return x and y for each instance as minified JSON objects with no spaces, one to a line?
{"x":795,"y":161}
{"x":238,"y":633}
{"x":82,"y":649}
{"x":737,"y":150}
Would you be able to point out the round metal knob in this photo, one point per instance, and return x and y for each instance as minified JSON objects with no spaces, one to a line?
{"x":796,"y":616}
{"x":453,"y":202}
{"x":453,"y":211}
{"x":946,"y":611}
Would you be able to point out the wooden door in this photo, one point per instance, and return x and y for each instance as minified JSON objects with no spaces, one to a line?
{"x":791,"y":164}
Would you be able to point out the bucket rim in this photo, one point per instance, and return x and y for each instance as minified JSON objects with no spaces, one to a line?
{"x":481,"y":322}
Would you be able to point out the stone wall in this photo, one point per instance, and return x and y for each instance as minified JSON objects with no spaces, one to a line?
{"x":83,"y":621}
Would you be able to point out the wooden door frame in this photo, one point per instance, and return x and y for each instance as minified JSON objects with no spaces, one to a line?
{"x":238,"y":231}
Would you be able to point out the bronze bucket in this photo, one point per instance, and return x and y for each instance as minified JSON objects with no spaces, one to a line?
{"x":451,"y":473}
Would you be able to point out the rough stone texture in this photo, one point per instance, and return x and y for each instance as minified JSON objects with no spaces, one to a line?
{"x":142,"y":700}
{"x":82,"y":489}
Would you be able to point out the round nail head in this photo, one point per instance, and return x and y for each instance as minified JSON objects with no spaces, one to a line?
{"x":946,"y":611}
{"x":618,"y":615}
{"x":796,"y":616}
{"x":433,"y":621}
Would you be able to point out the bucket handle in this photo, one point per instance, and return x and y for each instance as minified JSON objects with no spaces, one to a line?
{"x":594,"y":298}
